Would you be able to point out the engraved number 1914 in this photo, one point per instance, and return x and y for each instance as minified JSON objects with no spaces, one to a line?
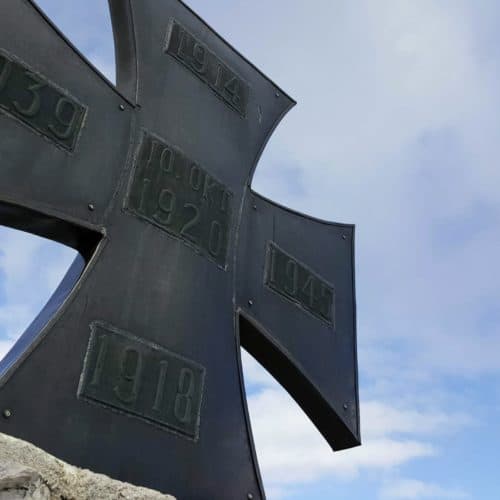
{"x":208,"y":67}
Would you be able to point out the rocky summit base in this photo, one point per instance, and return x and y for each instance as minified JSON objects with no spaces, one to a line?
{"x":27,"y":472}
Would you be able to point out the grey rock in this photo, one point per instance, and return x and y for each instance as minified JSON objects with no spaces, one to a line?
{"x":18,"y":482}
{"x":27,"y":472}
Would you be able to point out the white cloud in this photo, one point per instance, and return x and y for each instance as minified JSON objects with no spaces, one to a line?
{"x":104,"y":65}
{"x":380,"y":419}
{"x":254,"y":374}
{"x":88,"y":26}
{"x":14,"y":318}
{"x":375,"y":80}
{"x":5,"y":347}
{"x":413,"y":490}
{"x":17,"y":252}
{"x":277,"y":493}
{"x":379,"y":85}
{"x":292,"y":452}
{"x":30,"y":270}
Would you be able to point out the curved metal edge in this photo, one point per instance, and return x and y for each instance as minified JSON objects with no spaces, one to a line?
{"x":127,"y":72}
{"x":237,"y":52}
{"x":88,"y":242}
{"x":244,"y":400}
{"x":32,"y":335}
{"x":77,"y":52}
{"x":355,"y":334}
{"x":301,"y":214}
{"x":48,"y":316}
{"x":279,"y":363}
{"x":52,"y":226}
{"x":127,"y":76}
{"x":289,"y":105}
{"x":248,"y":190}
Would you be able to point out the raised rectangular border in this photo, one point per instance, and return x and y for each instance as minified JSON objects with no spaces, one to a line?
{"x":241,"y":112}
{"x":298,"y":303}
{"x":127,"y":208}
{"x":152,"y":345}
{"x":63,"y":92}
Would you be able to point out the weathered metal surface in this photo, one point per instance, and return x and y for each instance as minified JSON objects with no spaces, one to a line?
{"x":133,"y":369}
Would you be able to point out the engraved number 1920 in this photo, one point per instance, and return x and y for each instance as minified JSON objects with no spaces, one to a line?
{"x":178,"y":195}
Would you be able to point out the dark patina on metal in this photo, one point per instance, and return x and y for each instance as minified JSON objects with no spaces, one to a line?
{"x":294,"y":281}
{"x":203,"y":63}
{"x":176,"y":194}
{"x":38,"y":103}
{"x":142,"y":379}
{"x":133,"y":367}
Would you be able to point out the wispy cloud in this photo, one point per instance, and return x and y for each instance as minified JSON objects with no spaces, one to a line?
{"x":291,"y":451}
{"x":415,"y":490}
{"x":398,"y":100}
{"x":396,"y":130}
{"x":30,"y":270}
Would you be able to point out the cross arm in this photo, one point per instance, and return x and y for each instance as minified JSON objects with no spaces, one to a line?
{"x":64,"y":134}
{"x":194,"y":89}
{"x":295,"y":292}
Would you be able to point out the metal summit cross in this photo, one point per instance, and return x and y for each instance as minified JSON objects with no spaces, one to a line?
{"x":133,"y":368}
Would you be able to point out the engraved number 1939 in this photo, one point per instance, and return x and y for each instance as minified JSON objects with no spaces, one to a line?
{"x":39,"y":104}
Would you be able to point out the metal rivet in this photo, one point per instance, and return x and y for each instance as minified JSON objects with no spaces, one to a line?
{"x":7,"y":413}
{"x":345,"y":406}
{"x":344,"y":237}
{"x":250,"y":302}
{"x":255,"y":207}
{"x":91,"y":207}
{"x":250,"y":496}
{"x":122,"y":107}
{"x":277,"y":94}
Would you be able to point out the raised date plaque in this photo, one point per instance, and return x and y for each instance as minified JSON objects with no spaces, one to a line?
{"x":39,"y":104}
{"x":208,"y":67}
{"x":142,"y":379}
{"x":133,"y":368}
{"x":295,"y":281}
{"x":177,"y":195}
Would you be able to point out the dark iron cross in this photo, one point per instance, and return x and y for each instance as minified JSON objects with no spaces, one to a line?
{"x":133,"y":368}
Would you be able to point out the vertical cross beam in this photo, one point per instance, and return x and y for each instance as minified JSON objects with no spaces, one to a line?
{"x":133,"y":369}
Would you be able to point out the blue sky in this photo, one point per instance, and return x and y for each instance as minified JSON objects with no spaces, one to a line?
{"x":397,"y":131}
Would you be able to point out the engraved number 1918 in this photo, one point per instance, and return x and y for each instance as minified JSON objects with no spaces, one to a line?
{"x":129,"y":381}
{"x":143,"y":379}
